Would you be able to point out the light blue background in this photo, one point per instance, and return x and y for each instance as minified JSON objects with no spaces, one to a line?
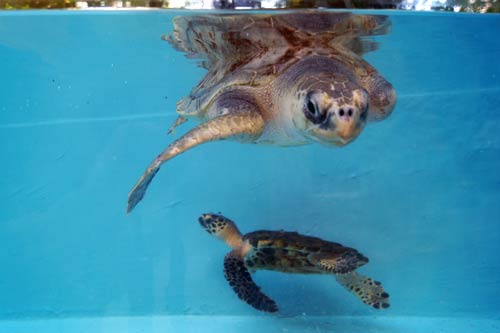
{"x":85,"y":100}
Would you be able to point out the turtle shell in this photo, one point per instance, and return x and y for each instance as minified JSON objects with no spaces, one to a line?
{"x":292,"y":252}
{"x":290,"y":241}
{"x":252,"y":50}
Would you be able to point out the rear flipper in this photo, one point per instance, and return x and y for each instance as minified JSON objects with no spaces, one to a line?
{"x":369,"y":291}
{"x":240,"y":280}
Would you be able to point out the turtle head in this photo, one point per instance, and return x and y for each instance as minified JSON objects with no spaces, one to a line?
{"x":330,"y":110}
{"x":222,"y":228}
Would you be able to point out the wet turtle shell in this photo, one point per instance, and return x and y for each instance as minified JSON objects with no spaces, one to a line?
{"x":253,"y":50}
{"x":291,"y":252}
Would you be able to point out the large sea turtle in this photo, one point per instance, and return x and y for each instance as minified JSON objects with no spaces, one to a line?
{"x":282,"y":79}
{"x":288,"y":252}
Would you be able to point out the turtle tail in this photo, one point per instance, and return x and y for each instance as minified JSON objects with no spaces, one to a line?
{"x":368,"y":290}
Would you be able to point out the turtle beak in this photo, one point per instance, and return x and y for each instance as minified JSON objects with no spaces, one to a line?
{"x":348,"y":122}
{"x":347,"y":130}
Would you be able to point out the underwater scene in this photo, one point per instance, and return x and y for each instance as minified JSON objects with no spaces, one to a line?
{"x":321,"y":171}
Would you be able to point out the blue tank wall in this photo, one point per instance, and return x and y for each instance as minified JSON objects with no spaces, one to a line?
{"x":85,"y":100}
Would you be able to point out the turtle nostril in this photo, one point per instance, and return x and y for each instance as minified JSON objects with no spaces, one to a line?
{"x":349,"y":113}
{"x":341,"y":112}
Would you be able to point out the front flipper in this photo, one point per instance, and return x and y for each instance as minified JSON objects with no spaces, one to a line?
{"x":240,"y":280}
{"x":247,"y":124}
{"x":368,"y":291}
{"x":382,"y":94}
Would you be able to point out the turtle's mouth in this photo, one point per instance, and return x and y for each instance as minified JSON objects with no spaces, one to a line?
{"x":334,"y":139}
{"x":333,"y":132}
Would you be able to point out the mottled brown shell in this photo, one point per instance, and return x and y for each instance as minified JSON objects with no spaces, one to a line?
{"x":242,"y":49}
{"x":290,"y":241}
{"x":294,"y":253}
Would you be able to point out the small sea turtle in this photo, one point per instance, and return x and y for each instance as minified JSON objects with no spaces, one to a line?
{"x":288,"y":252}
{"x":282,"y":79}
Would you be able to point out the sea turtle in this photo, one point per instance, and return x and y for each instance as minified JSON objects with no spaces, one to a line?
{"x":282,"y":79}
{"x":288,"y":252}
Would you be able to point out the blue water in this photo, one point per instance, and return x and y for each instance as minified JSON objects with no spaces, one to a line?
{"x":85,"y":101}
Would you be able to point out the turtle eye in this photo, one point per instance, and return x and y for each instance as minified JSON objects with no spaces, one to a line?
{"x":311,"y":110}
